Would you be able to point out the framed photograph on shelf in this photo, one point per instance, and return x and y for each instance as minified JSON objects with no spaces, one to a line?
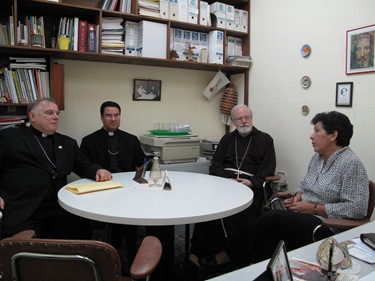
{"x":147,"y":90}
{"x":360,"y":50}
{"x":344,"y":94}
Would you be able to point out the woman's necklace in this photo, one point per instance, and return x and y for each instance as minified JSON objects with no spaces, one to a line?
{"x":239,"y":166}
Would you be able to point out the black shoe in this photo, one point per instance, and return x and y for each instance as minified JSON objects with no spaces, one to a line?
{"x":209,"y":262}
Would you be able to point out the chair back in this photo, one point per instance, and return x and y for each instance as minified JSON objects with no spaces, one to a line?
{"x":371,"y":201}
{"x":23,"y":259}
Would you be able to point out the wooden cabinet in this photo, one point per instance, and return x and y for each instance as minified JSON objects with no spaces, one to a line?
{"x":89,"y":10}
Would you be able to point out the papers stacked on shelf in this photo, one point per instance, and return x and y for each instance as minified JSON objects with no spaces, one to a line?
{"x":113,"y":35}
{"x":10,"y":122}
{"x":244,"y":61}
{"x":149,"y":8}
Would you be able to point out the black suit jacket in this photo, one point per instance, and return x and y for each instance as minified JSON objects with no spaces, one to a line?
{"x":26,"y":176}
{"x":95,"y":146}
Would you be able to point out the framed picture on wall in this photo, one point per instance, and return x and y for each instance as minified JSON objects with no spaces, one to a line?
{"x":360,"y":50}
{"x":147,"y":90}
{"x":344,"y":94}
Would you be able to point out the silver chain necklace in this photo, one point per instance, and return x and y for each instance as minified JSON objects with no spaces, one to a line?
{"x":111,"y":136}
{"x":239,"y":166}
{"x":112,"y":153}
{"x":45,"y":153}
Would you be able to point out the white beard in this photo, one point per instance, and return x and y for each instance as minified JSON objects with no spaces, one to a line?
{"x":244,"y":129}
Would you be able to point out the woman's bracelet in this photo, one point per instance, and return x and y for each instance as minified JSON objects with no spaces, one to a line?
{"x":315,"y":209}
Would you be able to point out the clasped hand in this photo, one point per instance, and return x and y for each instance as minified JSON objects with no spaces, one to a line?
{"x":244,"y":181}
{"x":294,"y":204}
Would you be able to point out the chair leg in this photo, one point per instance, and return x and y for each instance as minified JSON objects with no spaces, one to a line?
{"x":1,"y":219}
{"x":314,"y":231}
{"x":106,"y":235}
{"x":187,"y":250}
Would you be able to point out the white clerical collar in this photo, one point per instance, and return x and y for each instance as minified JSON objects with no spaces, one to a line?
{"x":111,"y":134}
{"x":44,"y":135}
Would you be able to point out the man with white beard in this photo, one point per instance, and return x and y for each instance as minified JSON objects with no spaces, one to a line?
{"x":246,"y":155}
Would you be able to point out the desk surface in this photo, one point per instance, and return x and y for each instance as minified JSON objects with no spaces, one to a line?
{"x":305,"y":253}
{"x":194,"y":198}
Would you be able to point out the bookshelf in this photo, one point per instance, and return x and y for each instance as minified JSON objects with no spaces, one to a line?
{"x":90,"y":11}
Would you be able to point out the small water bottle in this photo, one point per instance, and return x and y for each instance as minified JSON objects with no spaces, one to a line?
{"x":91,"y":40}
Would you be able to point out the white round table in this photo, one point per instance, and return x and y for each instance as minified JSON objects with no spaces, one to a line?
{"x":194,"y":198}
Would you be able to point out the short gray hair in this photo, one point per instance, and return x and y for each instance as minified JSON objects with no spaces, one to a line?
{"x":35,"y":103}
{"x":239,"y":106}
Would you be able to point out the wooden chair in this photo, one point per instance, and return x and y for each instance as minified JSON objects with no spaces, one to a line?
{"x":338,"y":223}
{"x":345,"y":224}
{"x":24,"y":258}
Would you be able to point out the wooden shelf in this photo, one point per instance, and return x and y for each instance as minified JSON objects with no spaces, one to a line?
{"x":90,"y":11}
{"x":98,"y":57}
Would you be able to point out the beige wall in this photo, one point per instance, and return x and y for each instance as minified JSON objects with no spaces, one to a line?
{"x":278,"y":30}
{"x":88,"y":84}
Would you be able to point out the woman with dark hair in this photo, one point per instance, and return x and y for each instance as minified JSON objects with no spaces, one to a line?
{"x":335,"y":186}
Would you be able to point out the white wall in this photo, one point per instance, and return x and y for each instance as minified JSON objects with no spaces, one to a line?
{"x":278,"y":31}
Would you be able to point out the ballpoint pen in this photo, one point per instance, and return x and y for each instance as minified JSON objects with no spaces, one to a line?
{"x":330,"y":257}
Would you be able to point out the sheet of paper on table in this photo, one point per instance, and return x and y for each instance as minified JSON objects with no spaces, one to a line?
{"x":369,"y":277}
{"x":361,"y":251}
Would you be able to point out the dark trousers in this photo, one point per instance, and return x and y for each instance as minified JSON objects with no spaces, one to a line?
{"x":296,"y":229}
{"x":118,"y":231}
{"x":228,"y":234}
{"x":52,"y":221}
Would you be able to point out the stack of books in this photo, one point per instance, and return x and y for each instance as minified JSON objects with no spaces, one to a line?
{"x":26,"y":79}
{"x":10,"y":122}
{"x":113,"y":35}
{"x":243,"y":61}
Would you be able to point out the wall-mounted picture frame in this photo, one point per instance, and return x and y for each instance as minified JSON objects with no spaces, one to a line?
{"x":360,"y":55}
{"x":147,"y":90}
{"x":344,"y":94}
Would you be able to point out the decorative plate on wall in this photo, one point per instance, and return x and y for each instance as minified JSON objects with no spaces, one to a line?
{"x":305,"y":110}
{"x":305,"y":50}
{"x":305,"y":82}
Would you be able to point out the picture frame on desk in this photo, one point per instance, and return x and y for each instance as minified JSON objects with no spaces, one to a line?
{"x":344,"y":94}
{"x":147,"y":90}
{"x":279,"y":264}
{"x":360,"y":53}
{"x":278,"y":268}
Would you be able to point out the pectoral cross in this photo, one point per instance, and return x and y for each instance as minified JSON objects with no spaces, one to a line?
{"x":238,"y":172}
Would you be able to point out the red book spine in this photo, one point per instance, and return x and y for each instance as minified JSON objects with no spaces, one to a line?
{"x":82,"y":36}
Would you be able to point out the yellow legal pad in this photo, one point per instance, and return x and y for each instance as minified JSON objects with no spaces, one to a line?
{"x":81,"y":188}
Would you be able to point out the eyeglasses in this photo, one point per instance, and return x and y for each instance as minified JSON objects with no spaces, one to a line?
{"x":110,"y":116}
{"x":246,"y":118}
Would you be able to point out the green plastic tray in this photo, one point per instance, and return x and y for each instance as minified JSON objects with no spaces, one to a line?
{"x":167,"y":133}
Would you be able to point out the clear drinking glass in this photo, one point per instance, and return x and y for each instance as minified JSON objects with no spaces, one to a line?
{"x":155,"y":173}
